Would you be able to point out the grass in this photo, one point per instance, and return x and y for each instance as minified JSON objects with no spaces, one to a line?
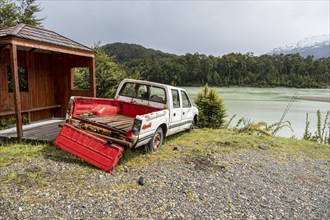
{"x":23,"y":152}
{"x":197,"y":143}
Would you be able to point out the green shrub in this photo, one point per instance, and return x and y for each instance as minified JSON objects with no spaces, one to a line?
{"x":212,"y":110}
{"x":11,"y":121}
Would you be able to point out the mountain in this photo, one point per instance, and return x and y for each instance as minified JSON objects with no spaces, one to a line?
{"x":317,"y":46}
{"x":125,"y":52}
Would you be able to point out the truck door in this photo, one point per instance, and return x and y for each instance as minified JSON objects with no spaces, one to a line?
{"x":187,"y":113}
{"x":176,"y":111}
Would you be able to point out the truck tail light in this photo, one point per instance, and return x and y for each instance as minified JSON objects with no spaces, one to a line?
{"x":136,"y":126}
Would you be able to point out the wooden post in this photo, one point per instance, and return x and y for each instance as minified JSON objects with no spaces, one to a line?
{"x":17,"y":98}
{"x":93,"y":77}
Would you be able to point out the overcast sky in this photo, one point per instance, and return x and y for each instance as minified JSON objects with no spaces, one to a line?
{"x":208,"y":27}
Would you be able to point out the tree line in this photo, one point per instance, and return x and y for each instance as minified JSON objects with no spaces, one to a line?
{"x":234,"y":69}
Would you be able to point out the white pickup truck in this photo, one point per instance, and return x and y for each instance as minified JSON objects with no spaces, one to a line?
{"x":141,"y":114}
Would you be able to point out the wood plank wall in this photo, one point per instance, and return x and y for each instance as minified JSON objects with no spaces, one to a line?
{"x":49,"y":81}
{"x":62,"y":71}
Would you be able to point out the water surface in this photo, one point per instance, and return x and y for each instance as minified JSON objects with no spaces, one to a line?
{"x":268,"y":104}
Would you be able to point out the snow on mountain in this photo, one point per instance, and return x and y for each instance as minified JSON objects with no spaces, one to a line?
{"x":318,"y":46}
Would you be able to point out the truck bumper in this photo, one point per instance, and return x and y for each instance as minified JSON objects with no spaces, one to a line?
{"x":94,"y":150}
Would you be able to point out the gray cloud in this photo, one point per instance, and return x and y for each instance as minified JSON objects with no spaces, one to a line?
{"x":210,"y":27}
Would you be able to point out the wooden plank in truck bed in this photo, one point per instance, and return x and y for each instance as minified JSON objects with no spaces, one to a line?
{"x":121,"y":122}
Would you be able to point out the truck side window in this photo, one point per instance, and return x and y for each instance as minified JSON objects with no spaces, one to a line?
{"x":127,"y":90}
{"x":185,"y":100}
{"x":157,"y":94}
{"x":175,"y":98}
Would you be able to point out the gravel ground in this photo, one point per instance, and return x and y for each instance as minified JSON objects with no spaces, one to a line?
{"x":240,"y":184}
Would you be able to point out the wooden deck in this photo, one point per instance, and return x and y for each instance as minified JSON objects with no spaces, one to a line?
{"x":46,"y":130}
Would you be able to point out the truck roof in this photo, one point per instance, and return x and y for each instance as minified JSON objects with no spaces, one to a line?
{"x":149,"y":83}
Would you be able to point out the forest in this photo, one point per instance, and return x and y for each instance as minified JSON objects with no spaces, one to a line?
{"x":234,"y":69}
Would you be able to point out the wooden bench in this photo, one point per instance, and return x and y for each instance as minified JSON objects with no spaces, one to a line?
{"x":28,"y":111}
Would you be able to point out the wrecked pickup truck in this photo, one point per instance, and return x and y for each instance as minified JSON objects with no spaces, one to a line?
{"x":141,"y":114}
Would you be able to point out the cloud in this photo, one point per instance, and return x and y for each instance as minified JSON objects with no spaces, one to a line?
{"x":209,"y":27}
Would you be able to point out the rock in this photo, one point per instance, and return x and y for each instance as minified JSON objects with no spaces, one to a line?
{"x":126,"y":169}
{"x":222,"y":167}
{"x":20,"y":209}
{"x":22,"y":175}
{"x":142,"y":181}
{"x":16,"y":159}
{"x":33,"y":169}
{"x":177,"y":148}
{"x":263,"y":147}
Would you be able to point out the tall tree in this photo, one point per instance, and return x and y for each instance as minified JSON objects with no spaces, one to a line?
{"x":13,"y":12}
{"x":108,"y":73}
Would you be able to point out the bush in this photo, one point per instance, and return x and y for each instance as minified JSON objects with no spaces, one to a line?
{"x":212,"y":110}
{"x":108,"y":74}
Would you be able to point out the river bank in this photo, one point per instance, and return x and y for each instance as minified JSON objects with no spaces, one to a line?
{"x":315,"y":98}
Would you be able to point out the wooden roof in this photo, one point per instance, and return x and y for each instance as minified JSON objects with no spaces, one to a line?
{"x":33,"y":35}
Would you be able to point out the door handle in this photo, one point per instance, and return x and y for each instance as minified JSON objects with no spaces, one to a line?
{"x":183,"y":113}
{"x":174,"y":114}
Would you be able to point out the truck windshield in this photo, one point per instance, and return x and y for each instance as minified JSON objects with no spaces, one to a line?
{"x":144,"y":92}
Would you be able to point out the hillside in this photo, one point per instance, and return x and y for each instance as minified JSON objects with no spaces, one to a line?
{"x":234,"y":69}
{"x":125,"y":52}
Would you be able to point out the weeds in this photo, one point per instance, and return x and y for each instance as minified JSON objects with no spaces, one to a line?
{"x":244,"y":125}
{"x":7,"y":123}
{"x":322,"y":133}
{"x":11,"y":121}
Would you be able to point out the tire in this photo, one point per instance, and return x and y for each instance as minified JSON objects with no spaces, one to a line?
{"x":156,"y":141}
{"x":192,"y":126}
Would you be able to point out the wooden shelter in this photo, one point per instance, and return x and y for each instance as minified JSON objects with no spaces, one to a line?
{"x":36,"y":73}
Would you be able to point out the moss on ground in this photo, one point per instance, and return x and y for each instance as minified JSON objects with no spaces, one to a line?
{"x":196,"y":143}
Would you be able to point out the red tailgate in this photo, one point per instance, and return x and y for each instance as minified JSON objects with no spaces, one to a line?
{"x":94,"y":150}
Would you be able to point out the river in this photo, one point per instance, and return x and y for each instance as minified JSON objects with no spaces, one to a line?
{"x":268,"y":104}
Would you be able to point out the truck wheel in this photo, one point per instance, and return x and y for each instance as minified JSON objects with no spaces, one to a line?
{"x":156,"y":141}
{"x":192,"y":126}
